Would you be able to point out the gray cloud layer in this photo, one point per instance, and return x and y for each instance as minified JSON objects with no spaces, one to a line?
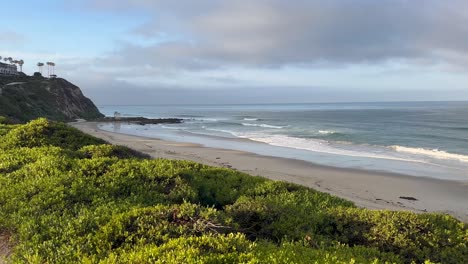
{"x":188,"y":37}
{"x":273,"y":33}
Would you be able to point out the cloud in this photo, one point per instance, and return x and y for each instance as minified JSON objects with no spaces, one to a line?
{"x":104,"y":91}
{"x":275,"y":33}
{"x":209,"y":51}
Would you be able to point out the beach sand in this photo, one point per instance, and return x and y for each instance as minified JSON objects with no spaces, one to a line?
{"x":369,"y":189}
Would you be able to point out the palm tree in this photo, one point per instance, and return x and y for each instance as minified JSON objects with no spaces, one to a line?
{"x":48,"y":68}
{"x":10,"y":59}
{"x":20,"y":63}
{"x":39,"y":66}
{"x":53,"y":67}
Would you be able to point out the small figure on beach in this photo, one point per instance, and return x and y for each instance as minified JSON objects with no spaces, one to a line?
{"x":117,"y":115}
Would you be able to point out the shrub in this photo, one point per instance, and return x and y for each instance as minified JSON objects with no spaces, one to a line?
{"x":158,"y":224}
{"x":211,"y":192}
{"x":231,"y":248}
{"x":100,"y":151}
{"x":4,"y":120}
{"x":147,"y":181}
{"x":14,"y":159}
{"x":42,"y":132}
{"x":437,"y":237}
{"x":301,"y":252}
{"x":68,"y":198}
{"x":287,"y":212}
{"x":5,"y":127}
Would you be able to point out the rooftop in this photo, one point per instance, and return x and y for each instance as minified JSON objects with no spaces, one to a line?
{"x":5,"y":64}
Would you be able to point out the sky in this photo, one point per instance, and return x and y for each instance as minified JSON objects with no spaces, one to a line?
{"x":142,"y":52}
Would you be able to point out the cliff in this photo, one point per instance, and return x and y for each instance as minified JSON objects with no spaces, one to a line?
{"x":23,"y":98}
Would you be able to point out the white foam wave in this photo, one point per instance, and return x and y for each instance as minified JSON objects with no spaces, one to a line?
{"x":209,"y":119}
{"x":251,"y":119}
{"x":321,"y":146}
{"x":433,"y":153}
{"x":262,"y":125}
{"x":326,"y":132}
{"x":222,"y":130}
{"x":175,"y":128}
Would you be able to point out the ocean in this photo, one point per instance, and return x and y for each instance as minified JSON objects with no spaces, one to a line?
{"x":427,"y":139}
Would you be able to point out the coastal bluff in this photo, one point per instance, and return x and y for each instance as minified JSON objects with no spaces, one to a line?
{"x":23,"y":98}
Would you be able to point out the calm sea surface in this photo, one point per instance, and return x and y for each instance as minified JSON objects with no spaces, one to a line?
{"x":416,"y":138}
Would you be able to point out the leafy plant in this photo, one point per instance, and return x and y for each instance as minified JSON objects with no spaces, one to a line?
{"x":67,"y":197}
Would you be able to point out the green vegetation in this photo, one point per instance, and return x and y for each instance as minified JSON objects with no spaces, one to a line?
{"x":23,"y":98}
{"x":70,"y":198}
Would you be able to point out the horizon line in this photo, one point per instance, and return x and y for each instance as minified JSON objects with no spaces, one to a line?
{"x":296,"y":103}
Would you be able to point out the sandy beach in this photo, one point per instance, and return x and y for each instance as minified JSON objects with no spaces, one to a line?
{"x":370,"y":189}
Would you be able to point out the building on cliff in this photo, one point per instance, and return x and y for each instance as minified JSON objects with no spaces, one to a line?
{"x":8,"y":69}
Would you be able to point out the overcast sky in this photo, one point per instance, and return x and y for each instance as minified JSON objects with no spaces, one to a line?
{"x":245,"y":51}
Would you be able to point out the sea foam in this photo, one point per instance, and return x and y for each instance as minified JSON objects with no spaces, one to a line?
{"x":326,"y":132}
{"x":222,"y":131}
{"x":174,"y":127}
{"x":320,"y":146}
{"x":434,"y":153}
{"x":262,"y":125}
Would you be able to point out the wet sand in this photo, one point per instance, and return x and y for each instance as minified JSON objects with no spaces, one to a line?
{"x":369,"y":189}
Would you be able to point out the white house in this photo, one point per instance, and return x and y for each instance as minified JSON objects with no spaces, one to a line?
{"x":8,"y":69}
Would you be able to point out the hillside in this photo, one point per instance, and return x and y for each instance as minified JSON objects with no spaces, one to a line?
{"x":67,"y":197}
{"x":23,"y":98}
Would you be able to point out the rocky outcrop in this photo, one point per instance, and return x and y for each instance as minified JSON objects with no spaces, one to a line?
{"x":25,"y":98}
{"x":142,"y":120}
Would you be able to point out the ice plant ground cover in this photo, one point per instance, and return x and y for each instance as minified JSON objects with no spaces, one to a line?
{"x":67,"y":197}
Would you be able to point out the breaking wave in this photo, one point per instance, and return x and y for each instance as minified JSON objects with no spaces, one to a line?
{"x":262,"y":125}
{"x":433,"y":153}
{"x":326,"y":132}
{"x":320,"y":146}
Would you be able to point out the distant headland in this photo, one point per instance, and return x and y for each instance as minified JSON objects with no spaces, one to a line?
{"x":24,"y":97}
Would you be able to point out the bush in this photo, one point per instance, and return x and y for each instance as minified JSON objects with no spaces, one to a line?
{"x":211,"y":192}
{"x":4,"y":120}
{"x":100,"y":151}
{"x":41,"y":132}
{"x":287,"y":212}
{"x":231,"y":248}
{"x":6,"y":125}
{"x":440,"y":238}
{"x":68,"y":198}
{"x":158,"y":224}
{"x":14,"y":159}
{"x":147,"y":181}
{"x":301,"y":252}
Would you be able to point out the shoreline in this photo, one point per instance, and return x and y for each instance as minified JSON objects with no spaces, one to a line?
{"x":369,"y":189}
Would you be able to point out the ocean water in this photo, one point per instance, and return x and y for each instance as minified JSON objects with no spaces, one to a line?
{"x":427,"y":139}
